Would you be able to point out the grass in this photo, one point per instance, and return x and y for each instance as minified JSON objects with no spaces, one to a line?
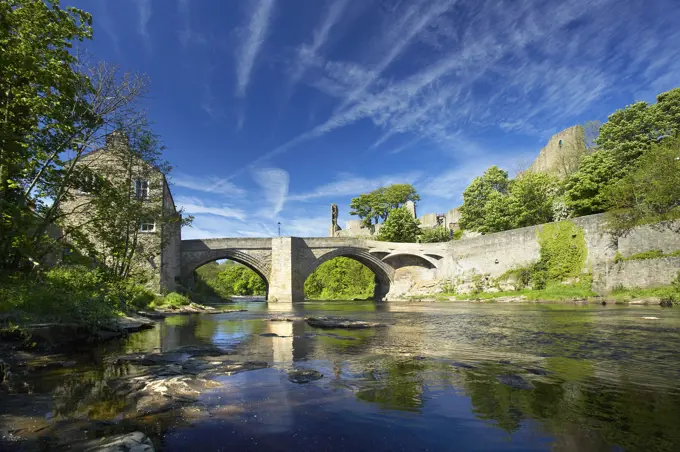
{"x":552,"y":292}
{"x":651,"y":254}
{"x":69,"y":294}
{"x":628,"y":294}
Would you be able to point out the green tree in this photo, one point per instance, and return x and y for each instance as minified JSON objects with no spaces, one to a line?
{"x":628,"y":132}
{"x":341,"y":278}
{"x":375,"y":206}
{"x":650,"y":193}
{"x":400,"y":226}
{"x":532,"y":195}
{"x":41,"y":107}
{"x":240,"y":280}
{"x":627,"y":135}
{"x":435,"y":235}
{"x":585,"y":189}
{"x":478,"y":193}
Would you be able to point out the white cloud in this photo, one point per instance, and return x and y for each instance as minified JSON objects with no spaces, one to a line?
{"x":350,"y":185}
{"x":397,"y":38}
{"x":207,"y":184}
{"x":187,"y":34}
{"x":521,"y":66}
{"x":144,"y":15}
{"x":193,"y":205}
{"x":450,"y":184}
{"x":255,"y":35}
{"x":307,"y":54}
{"x":274,"y":183}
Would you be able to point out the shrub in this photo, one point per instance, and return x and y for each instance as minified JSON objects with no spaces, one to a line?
{"x":434,"y":235}
{"x":175,"y":299}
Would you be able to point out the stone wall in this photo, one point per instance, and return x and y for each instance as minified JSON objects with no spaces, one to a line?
{"x":562,"y":154}
{"x":636,"y":273}
{"x":494,"y":254}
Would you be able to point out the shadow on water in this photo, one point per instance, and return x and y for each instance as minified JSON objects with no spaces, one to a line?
{"x":438,"y":377}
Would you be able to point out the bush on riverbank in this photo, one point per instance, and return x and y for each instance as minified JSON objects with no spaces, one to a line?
{"x":69,"y":294}
{"x":171,"y":300}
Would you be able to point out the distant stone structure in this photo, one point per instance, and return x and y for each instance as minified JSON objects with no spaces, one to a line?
{"x":411,"y":207}
{"x":334,"y":229}
{"x":562,"y":154}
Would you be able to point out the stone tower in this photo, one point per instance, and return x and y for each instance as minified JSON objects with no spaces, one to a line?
{"x":562,"y":154}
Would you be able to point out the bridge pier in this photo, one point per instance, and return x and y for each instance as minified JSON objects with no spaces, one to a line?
{"x":284,"y":280}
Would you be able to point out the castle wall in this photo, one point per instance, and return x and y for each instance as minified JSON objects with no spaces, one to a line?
{"x":562,"y":154}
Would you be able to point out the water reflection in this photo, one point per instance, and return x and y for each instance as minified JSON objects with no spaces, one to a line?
{"x":439,"y":377}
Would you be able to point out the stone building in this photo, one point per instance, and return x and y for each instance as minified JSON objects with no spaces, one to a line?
{"x":562,"y":154}
{"x":157,"y":242}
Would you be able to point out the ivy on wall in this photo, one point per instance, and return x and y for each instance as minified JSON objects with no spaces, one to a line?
{"x":563,"y":250}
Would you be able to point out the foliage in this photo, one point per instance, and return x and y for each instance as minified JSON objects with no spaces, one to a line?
{"x":173,"y":299}
{"x":400,"y":226}
{"x":563,"y":250}
{"x":70,"y":294}
{"x":242,"y":281}
{"x":478,"y":193}
{"x":649,"y":193}
{"x":226,"y":279}
{"x":41,"y":98}
{"x":628,"y":135}
{"x":434,"y":235}
{"x":585,"y":189}
{"x":493,"y":203}
{"x":341,"y":278}
{"x":376,"y":205}
{"x":532,"y":195}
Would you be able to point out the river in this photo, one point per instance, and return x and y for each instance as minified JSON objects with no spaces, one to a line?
{"x":437,"y":377}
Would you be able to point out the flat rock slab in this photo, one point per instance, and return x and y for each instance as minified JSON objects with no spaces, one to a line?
{"x":132,"y":442}
{"x":302,"y":376}
{"x":328,"y":322}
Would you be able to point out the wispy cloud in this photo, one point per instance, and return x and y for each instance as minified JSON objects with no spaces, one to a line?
{"x":254,"y":36}
{"x":207,"y":184}
{"x":194,"y":205}
{"x":399,"y":35}
{"x":350,"y":185}
{"x":210,"y":226}
{"x":274,"y":183}
{"x":451,"y":95}
{"x":187,"y":34}
{"x":307,"y":55}
{"x":451,"y":183}
{"x":144,"y":15}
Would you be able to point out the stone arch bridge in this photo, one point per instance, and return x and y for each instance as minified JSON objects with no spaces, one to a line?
{"x":285,"y":262}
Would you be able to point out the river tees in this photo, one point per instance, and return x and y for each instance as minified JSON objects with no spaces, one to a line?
{"x":436,"y":377}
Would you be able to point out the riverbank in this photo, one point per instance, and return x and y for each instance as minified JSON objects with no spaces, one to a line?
{"x":664,"y":296}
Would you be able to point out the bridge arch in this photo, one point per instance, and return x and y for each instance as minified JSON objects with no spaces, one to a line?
{"x":189,"y":266}
{"x":383,"y":272}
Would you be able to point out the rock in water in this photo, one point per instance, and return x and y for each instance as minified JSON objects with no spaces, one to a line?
{"x":514,"y":381}
{"x":132,"y":442}
{"x":301,"y":376}
{"x":327,"y":322}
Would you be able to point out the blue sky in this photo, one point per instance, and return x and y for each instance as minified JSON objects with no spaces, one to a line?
{"x":271,"y":110}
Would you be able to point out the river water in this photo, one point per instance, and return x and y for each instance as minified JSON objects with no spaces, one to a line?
{"x":438,"y":377}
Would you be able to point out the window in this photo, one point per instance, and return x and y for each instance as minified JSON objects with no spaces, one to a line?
{"x":142,"y":189}
{"x":147,"y":226}
{"x":560,"y":143}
